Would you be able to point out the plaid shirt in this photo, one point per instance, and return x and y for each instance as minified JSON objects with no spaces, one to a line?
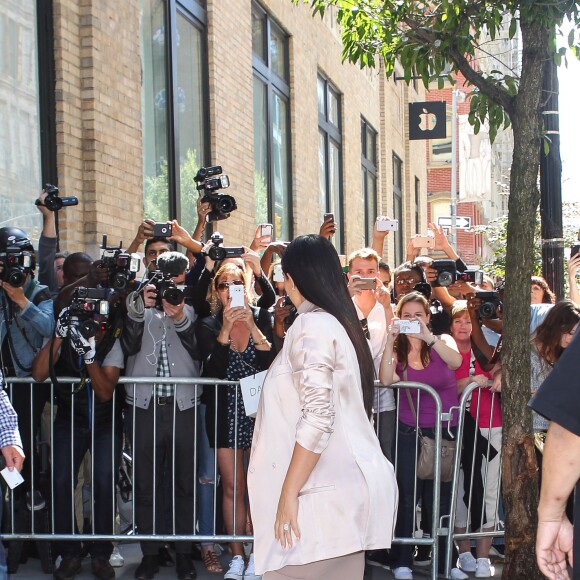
{"x":163,"y":370}
{"x":9,"y":434}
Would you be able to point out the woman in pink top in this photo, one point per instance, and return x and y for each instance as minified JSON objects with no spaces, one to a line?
{"x":484,"y":450}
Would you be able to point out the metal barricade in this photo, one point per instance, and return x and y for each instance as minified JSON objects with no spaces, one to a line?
{"x":440,"y":419}
{"x":107,"y":443}
{"x":490,"y":477}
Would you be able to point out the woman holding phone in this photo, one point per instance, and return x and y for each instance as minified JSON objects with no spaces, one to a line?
{"x":321,"y":490}
{"x":235,"y":342}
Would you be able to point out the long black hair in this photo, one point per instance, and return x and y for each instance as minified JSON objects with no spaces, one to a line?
{"x":313,"y":264}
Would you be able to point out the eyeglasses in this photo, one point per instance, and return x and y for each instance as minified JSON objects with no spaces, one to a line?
{"x":225,"y":285}
{"x":401,"y":281}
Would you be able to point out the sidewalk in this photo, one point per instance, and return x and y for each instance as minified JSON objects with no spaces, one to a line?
{"x":31,"y":570}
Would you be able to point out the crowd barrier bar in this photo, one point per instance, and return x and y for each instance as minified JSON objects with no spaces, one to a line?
{"x":466,"y":397}
{"x":133,"y":533}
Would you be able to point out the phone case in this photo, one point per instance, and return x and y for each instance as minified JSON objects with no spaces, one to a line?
{"x":237,"y":296}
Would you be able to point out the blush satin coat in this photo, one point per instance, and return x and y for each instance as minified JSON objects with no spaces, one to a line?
{"x":312,"y":396}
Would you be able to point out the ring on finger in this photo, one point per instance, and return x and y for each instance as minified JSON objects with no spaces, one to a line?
{"x":286,"y":527}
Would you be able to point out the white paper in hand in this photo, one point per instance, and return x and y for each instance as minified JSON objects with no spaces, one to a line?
{"x":13,"y":478}
{"x":251,"y":389}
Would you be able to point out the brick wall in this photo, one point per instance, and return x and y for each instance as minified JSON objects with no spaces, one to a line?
{"x":99,"y":133}
{"x":98,"y":94}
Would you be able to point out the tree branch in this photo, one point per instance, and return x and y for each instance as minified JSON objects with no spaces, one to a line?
{"x":490,"y":90}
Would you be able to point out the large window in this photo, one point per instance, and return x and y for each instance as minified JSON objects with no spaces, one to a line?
{"x":23,"y":167}
{"x":271,"y":124}
{"x":398,"y":206}
{"x":369,"y":177}
{"x":174,"y":107}
{"x":330,"y":156}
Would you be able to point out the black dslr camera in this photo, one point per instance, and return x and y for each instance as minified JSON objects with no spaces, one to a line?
{"x":491,"y":303}
{"x":16,"y":265}
{"x":122,"y":266}
{"x":166,"y":289}
{"x":446,"y":272}
{"x":218,"y":252}
{"x":209,"y":180}
{"x":85,"y":304}
{"x":53,"y":202}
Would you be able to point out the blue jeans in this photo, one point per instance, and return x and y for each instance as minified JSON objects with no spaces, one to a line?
{"x":104,"y":482}
{"x":405,"y":528}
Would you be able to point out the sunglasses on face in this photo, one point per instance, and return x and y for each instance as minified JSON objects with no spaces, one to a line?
{"x":402,"y":281}
{"x":226,"y":285}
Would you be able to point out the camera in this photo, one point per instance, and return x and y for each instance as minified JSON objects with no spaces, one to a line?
{"x":446,"y":272}
{"x":209,"y":180}
{"x":166,"y":289}
{"x":53,"y":202}
{"x":472,"y":277}
{"x":490,"y":304}
{"x":287,"y":302}
{"x":217,"y":252}
{"x":85,"y":304}
{"x":16,"y":265}
{"x":122,"y":266}
{"x":574,"y":250}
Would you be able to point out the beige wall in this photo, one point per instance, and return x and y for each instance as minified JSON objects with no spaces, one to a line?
{"x":99,"y":118}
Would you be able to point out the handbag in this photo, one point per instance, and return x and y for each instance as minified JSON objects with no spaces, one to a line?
{"x":426,"y":454}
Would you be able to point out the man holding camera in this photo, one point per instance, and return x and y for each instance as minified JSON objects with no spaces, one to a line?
{"x":88,"y":419}
{"x":159,"y":340}
{"x":26,"y":319}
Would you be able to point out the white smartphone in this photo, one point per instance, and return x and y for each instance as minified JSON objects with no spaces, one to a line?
{"x":278,"y":273}
{"x":408,"y":326}
{"x":423,"y":241}
{"x":386,"y":225}
{"x":237,"y":296}
{"x":266,"y":230}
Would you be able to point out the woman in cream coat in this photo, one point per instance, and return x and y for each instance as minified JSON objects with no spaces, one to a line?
{"x":321,"y":491}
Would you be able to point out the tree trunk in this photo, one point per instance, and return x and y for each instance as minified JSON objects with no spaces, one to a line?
{"x":520,"y":481}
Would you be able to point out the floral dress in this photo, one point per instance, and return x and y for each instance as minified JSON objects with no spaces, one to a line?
{"x":240,"y":365}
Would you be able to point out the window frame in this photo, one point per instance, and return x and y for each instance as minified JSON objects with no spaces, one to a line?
{"x":398,"y":197}
{"x":369,"y":168}
{"x":332,"y":134}
{"x":275,"y":85}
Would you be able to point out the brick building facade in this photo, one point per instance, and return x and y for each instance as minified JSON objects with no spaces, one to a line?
{"x":143,"y":88}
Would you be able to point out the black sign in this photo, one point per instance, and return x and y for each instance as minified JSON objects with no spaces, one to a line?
{"x":428,"y":120}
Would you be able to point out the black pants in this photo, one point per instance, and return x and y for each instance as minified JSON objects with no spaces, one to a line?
{"x":154,"y":448}
{"x":29,"y":409}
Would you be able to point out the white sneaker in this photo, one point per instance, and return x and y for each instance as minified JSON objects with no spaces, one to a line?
{"x":250,"y":573}
{"x":403,"y":573}
{"x":116,"y":560}
{"x":236,"y":569}
{"x":466,"y":562}
{"x":457,"y":574}
{"x":484,"y":569}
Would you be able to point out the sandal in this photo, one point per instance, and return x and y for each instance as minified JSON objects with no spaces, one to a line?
{"x":211,"y":562}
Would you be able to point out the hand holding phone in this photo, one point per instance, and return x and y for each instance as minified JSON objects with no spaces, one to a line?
{"x":162,"y":229}
{"x":408,"y":326}
{"x":266,"y":230}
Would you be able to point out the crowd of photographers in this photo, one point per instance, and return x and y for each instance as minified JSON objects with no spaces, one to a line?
{"x":220,"y":311}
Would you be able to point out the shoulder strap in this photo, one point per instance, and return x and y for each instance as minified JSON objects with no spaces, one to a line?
{"x":408,"y":392}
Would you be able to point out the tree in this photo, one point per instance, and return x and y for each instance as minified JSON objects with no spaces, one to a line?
{"x":429,"y":38}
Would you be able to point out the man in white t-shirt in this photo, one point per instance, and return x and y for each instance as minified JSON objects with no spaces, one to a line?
{"x":372,"y":301}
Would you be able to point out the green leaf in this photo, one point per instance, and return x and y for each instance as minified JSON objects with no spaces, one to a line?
{"x":513,"y":28}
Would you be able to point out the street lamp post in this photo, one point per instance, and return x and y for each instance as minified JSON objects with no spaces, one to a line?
{"x":456,"y":96}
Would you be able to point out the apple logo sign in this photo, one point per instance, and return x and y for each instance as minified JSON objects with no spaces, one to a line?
{"x":427,"y":120}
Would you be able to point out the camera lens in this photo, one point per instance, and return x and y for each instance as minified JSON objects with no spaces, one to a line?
{"x":445,"y":279}
{"x":226,"y":204}
{"x":217,"y":253}
{"x":16,"y":277}
{"x":119,"y":281}
{"x":487,"y":310}
{"x":173,"y":295}
{"x":88,"y":327}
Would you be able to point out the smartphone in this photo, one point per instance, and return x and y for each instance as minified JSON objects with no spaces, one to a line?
{"x":266,"y":230}
{"x":408,"y":326}
{"x":161,"y":229}
{"x":278,"y":273}
{"x":574,"y":250}
{"x":328,"y":217}
{"x":366,"y":283}
{"x":423,"y":241}
{"x":236,"y":295}
{"x":386,"y":225}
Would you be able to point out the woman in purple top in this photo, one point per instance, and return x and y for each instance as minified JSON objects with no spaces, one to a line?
{"x":429,"y":359}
